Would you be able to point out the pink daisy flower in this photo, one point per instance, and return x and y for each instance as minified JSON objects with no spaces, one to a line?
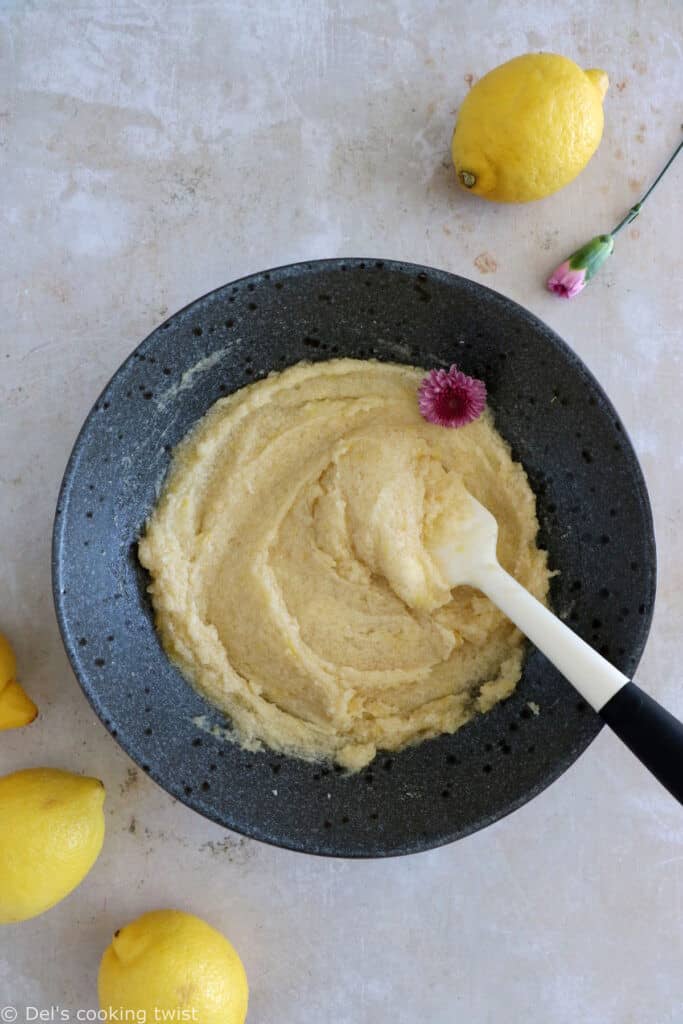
{"x":449,"y":398}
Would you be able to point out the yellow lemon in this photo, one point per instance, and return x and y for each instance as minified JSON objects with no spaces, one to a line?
{"x":51,"y":832}
{"x":168,"y":965}
{"x":16,"y":707}
{"x":8,"y":662}
{"x":528,"y":127}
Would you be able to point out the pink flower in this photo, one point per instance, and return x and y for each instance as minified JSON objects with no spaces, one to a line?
{"x":571,"y":277}
{"x":449,"y":398}
{"x":566,"y":282}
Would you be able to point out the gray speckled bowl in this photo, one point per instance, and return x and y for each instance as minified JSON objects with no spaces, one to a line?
{"x":593,"y":508}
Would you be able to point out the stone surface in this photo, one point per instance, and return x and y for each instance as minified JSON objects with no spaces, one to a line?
{"x":153,"y":151}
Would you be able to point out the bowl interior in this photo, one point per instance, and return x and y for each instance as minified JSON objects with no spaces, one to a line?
{"x":593,"y":509}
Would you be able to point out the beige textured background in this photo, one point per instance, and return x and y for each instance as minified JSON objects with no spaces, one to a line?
{"x":150,"y":151}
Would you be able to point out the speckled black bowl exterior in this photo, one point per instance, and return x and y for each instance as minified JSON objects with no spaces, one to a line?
{"x":593,"y":508}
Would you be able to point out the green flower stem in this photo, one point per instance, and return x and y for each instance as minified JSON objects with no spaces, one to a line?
{"x":635,"y":210}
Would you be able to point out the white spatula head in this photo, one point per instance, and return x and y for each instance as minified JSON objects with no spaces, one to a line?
{"x":464,"y":541}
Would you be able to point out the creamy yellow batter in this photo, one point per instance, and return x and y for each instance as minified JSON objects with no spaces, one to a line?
{"x":291,"y":574}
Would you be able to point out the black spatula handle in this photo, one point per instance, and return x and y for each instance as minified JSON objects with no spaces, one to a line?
{"x":650,"y":732}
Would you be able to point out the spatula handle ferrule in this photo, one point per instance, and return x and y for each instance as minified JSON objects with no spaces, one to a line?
{"x":650,"y":732}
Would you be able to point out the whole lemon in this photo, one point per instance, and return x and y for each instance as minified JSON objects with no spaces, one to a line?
{"x":528,"y":127}
{"x":168,"y":965}
{"x":51,"y":833}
